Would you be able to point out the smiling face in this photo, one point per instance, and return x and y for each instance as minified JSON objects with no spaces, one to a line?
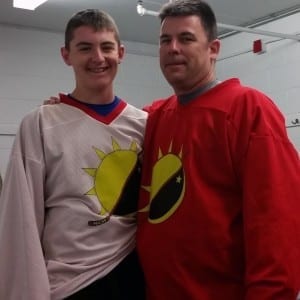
{"x":94,"y":56}
{"x":187,"y":57}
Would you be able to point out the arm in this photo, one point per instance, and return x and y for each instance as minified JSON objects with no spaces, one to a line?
{"x":23,"y":273}
{"x":270,"y":179}
{"x":271,"y":206}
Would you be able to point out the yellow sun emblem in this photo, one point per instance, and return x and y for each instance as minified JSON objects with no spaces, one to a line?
{"x":111,"y":177}
{"x":167,"y":186}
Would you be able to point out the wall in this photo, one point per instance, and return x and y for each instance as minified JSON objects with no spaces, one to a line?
{"x":275,"y":72}
{"x":31,"y":70}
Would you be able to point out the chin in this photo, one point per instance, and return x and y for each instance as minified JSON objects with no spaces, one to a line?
{"x":174,"y":81}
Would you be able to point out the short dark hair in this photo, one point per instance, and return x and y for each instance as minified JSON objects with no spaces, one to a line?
{"x":94,"y":18}
{"x":199,"y":8}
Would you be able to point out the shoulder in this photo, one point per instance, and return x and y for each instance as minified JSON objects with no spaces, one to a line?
{"x":30,"y":118}
{"x":234,"y":90}
{"x":134,"y":112}
{"x":160,"y":104}
{"x":256,"y":111}
{"x":246,"y":99}
{"x":48,"y":115}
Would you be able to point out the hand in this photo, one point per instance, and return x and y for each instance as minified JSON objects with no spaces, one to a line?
{"x":52,"y":100}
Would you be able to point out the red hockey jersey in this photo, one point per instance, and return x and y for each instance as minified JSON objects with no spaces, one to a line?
{"x":218,"y":215}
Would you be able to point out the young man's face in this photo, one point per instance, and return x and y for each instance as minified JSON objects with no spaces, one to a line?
{"x":94,"y":56}
{"x":186,"y":56}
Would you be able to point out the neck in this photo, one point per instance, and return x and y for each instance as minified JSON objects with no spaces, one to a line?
{"x":93,"y":96}
{"x":190,"y":88}
{"x":187,"y":97}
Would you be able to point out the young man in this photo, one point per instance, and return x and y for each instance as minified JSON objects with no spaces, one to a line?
{"x":69,"y":200}
{"x":221,"y":181}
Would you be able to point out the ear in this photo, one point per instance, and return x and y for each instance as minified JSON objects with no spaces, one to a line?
{"x":121,"y":51}
{"x":214,"y":47}
{"x":65,"y":55}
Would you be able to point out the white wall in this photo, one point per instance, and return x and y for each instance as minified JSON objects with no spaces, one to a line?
{"x":275,"y":72}
{"x":31,"y":70}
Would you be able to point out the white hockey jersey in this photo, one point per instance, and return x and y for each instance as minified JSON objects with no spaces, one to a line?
{"x":69,"y":199}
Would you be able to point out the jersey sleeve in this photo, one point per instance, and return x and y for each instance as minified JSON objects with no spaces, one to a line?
{"x":23,"y":273}
{"x":269,"y":174}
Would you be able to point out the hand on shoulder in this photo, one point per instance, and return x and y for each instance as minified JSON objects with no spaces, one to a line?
{"x":52,"y":100}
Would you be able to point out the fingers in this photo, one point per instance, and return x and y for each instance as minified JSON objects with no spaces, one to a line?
{"x":51,"y":100}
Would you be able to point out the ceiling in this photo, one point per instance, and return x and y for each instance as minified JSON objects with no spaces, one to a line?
{"x":53,"y":15}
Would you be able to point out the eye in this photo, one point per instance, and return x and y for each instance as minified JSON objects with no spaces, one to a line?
{"x":108,"y":49}
{"x":84,"y":49}
{"x":187,"y":39}
{"x":164,"y":41}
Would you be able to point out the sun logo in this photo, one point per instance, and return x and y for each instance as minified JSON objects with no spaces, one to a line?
{"x":116,"y":180}
{"x":167,"y":186}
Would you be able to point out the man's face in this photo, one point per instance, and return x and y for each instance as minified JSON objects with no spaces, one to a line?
{"x":94,"y":56}
{"x":186,"y":56}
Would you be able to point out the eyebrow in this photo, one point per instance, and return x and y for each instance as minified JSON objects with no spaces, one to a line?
{"x":105,"y":43}
{"x":188,"y":33}
{"x":184,"y":33}
{"x":79,"y":44}
{"x":164,"y":36}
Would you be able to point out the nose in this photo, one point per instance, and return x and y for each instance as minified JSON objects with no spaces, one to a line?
{"x":174,"y":46}
{"x":98,"y":55}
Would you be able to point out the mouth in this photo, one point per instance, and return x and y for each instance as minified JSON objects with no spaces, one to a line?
{"x":97,"y":70}
{"x":174,"y":65}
